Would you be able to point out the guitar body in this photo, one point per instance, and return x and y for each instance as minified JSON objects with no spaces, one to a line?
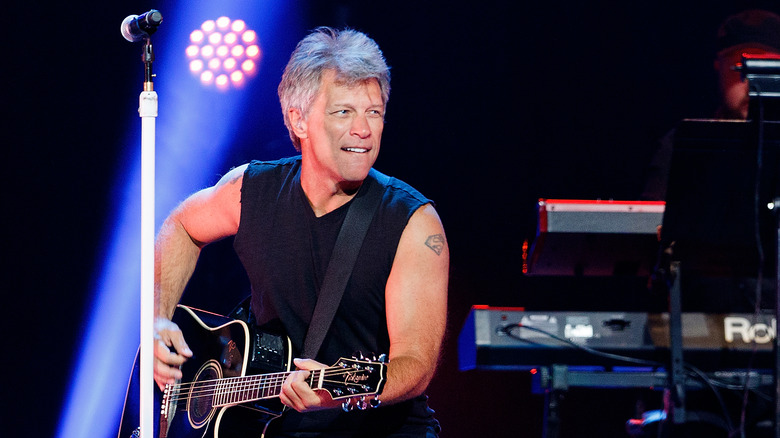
{"x":222,"y":348}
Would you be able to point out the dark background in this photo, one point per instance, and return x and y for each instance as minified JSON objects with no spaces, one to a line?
{"x":494,"y":105}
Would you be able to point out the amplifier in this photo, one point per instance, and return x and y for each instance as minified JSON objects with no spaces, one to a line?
{"x":595,"y":237}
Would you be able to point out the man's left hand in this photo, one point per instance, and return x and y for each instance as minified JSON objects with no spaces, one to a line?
{"x":298,"y":395}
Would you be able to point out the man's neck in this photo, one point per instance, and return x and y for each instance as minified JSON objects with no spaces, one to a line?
{"x":325,"y":196}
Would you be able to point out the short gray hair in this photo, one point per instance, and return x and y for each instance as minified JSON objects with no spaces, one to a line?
{"x":351,"y":54}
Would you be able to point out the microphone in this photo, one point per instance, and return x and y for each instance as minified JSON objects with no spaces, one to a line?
{"x":138,"y":27}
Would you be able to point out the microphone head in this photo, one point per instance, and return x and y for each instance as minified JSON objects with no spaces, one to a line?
{"x":136,"y":28}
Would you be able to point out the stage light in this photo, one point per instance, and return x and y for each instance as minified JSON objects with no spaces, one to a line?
{"x":222,"y":82}
{"x":248,"y":66}
{"x":238,"y":25}
{"x":237,"y":77}
{"x":221,"y":45}
{"x":197,"y":36}
{"x":223,"y":23}
{"x":196,"y":66}
{"x":249,"y":36}
{"x":253,"y":51}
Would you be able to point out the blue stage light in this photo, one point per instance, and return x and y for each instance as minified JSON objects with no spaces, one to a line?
{"x":196,"y":128}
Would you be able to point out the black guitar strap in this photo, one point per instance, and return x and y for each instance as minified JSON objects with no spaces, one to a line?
{"x":345,"y":251}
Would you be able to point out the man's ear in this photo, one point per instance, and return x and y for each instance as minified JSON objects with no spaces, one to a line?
{"x":297,"y":123}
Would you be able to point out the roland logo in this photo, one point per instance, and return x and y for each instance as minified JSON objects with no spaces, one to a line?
{"x":740,"y":328}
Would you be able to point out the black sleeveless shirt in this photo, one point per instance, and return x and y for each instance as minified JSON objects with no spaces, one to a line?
{"x":285,"y":250}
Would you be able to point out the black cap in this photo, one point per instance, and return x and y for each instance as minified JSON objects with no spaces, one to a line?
{"x":752,"y":28}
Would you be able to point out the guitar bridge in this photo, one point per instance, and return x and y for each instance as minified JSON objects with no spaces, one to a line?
{"x":165,"y":401}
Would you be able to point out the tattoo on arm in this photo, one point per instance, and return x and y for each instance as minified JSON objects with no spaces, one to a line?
{"x":436,"y":243}
{"x":237,"y":179}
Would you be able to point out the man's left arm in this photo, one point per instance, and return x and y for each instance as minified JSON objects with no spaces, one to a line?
{"x":416,"y":299}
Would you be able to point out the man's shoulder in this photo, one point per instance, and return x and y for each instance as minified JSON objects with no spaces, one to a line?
{"x":260,"y":166}
{"x":396,"y":188}
{"x":279,"y":170}
{"x":270,"y":176}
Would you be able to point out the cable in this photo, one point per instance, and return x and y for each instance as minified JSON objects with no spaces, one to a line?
{"x":508,"y":331}
{"x":718,"y":397}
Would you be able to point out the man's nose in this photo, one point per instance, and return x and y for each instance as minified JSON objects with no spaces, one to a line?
{"x":360,"y":127}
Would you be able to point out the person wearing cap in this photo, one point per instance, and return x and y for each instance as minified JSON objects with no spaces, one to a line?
{"x":754,"y":32}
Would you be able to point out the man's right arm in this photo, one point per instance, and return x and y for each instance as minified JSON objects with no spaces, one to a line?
{"x":206,"y":216}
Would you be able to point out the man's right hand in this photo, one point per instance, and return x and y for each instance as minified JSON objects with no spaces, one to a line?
{"x":170,"y":351}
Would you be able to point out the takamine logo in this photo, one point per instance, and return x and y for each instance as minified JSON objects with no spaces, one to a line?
{"x":355,"y":377}
{"x":739,"y":327}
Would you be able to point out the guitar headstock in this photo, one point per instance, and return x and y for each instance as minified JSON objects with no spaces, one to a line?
{"x":354,"y":378}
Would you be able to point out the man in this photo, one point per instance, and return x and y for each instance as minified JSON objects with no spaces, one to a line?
{"x":755,"y":32}
{"x":285,"y":216}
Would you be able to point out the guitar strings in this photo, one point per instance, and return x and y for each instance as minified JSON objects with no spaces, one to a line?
{"x":329,"y":372}
{"x":254,"y":384}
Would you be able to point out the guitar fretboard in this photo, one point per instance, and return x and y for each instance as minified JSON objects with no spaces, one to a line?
{"x":236,"y":390}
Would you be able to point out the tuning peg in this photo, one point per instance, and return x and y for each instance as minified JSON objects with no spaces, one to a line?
{"x":375,"y":402}
{"x":361,"y":403}
{"x":382,"y":358}
{"x":358,"y":355}
{"x":347,"y":406}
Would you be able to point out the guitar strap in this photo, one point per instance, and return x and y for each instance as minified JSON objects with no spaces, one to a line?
{"x":345,"y":251}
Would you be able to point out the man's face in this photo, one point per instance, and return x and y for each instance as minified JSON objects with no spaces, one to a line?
{"x":734,"y":91}
{"x":343,"y":129}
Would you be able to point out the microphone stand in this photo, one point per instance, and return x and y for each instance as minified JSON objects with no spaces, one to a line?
{"x":148,"y":111}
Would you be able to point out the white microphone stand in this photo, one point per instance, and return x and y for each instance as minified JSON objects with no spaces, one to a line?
{"x":148,"y":111}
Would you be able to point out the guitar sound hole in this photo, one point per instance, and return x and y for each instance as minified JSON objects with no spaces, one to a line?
{"x":201,"y":395}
